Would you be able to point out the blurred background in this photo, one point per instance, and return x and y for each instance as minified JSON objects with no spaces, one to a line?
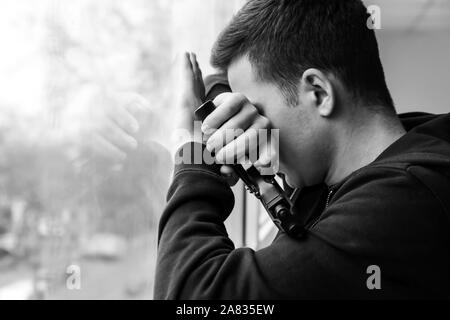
{"x":75,"y":225}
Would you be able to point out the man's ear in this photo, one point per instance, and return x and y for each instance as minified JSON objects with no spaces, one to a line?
{"x":318,"y":90}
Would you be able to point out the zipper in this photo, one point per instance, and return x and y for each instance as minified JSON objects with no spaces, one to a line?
{"x":330,"y":193}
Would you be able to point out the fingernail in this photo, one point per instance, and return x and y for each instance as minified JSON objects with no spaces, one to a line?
{"x":219,"y":157}
{"x":207,"y":130}
{"x":135,"y":127}
{"x":209,"y":146}
{"x":211,"y":143}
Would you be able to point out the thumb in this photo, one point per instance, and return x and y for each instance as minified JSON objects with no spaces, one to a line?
{"x":229,"y":175}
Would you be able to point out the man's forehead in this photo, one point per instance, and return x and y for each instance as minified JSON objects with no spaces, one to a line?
{"x":242,"y":78}
{"x":240,"y":74}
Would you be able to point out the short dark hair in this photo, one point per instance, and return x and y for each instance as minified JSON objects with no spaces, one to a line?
{"x":283,"y":38}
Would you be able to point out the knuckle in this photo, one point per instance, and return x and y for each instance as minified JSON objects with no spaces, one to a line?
{"x":264,"y":122}
{"x":239,"y":97}
{"x":237,"y":132}
{"x":220,"y":157}
{"x":236,"y":102}
{"x":252,"y":110}
{"x":131,"y":143}
{"x":221,"y":97}
{"x":252,"y":133}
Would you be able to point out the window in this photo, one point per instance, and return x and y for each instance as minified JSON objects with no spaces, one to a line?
{"x":66,"y":220}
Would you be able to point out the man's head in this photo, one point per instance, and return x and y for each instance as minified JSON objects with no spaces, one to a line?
{"x":304,"y":63}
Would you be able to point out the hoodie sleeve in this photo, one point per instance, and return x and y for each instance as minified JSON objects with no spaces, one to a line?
{"x":216,"y":84}
{"x":382,"y":217}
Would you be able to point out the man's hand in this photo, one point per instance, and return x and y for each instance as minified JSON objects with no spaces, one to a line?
{"x":190,"y":90}
{"x":233,"y":112}
{"x":238,"y":133}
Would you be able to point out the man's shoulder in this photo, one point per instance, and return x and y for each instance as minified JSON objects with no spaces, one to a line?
{"x":393,"y":184}
{"x":381,"y":203}
{"x":386,"y":216}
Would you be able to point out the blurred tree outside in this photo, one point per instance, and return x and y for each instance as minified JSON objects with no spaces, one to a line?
{"x":56,"y":210}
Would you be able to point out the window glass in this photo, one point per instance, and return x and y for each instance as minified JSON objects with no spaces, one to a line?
{"x":78,"y":220}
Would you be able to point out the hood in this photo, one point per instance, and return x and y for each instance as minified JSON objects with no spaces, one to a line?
{"x":426,"y":143}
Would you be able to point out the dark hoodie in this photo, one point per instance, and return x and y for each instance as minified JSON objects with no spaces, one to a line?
{"x":393,"y":213}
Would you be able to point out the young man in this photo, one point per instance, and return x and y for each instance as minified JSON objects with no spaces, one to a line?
{"x":379,"y":226}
